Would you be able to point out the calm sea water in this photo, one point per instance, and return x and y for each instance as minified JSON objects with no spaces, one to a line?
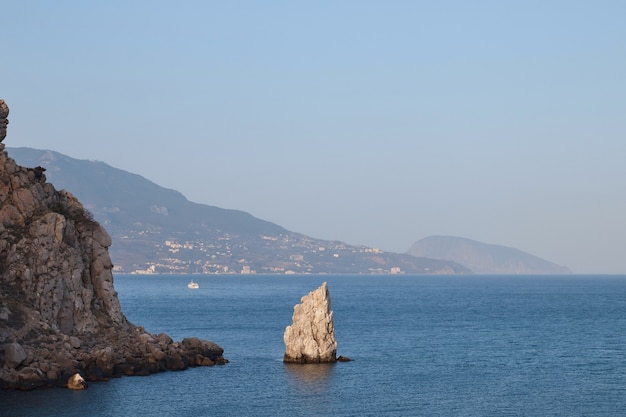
{"x":422,"y":345}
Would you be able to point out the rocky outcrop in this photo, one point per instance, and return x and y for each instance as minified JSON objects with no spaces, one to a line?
{"x":4,"y":121}
{"x":311,"y":337}
{"x":76,"y":382}
{"x":59,"y":312}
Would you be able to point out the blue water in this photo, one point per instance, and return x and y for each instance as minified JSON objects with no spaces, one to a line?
{"x":422,"y":345}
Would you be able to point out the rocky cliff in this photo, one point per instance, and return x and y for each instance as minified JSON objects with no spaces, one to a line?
{"x":59,"y":312}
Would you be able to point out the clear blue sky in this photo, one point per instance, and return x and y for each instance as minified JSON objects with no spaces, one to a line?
{"x":371,"y":122}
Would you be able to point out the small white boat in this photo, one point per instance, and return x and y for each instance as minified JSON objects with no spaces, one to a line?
{"x":193,"y":285}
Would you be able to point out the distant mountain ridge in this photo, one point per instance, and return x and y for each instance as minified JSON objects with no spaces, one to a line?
{"x":483,"y":258}
{"x":157,"y":230}
{"x":123,"y":199}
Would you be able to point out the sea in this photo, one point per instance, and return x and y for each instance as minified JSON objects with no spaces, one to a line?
{"x":458,"y":345}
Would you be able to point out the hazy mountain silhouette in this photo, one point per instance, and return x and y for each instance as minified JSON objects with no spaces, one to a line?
{"x":483,"y":258}
{"x":155,"y":229}
{"x":122,"y":200}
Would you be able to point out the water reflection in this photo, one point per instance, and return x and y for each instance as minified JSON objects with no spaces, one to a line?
{"x":314,"y":378}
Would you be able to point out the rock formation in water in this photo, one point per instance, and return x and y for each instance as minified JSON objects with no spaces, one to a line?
{"x":311,"y":337}
{"x":76,"y":382}
{"x":59,"y":312}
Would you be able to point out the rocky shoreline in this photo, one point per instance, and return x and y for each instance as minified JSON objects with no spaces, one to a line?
{"x":59,"y":311}
{"x":53,"y":363}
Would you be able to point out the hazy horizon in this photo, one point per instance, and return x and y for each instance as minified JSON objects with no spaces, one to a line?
{"x":367,"y":122}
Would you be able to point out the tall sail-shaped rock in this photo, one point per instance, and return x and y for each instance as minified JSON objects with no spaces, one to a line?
{"x":311,"y":337}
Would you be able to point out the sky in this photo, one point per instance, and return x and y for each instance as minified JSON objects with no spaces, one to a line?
{"x":376,"y":123}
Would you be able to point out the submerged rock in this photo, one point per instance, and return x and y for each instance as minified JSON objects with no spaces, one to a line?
{"x":311,"y":337}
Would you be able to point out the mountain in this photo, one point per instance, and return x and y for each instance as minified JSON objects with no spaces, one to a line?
{"x":483,"y":258}
{"x":157,"y":230}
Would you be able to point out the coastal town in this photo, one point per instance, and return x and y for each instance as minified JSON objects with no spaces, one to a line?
{"x":283,"y":254}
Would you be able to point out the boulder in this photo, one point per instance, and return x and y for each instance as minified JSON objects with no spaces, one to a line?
{"x":76,"y":382}
{"x":14,"y":355}
{"x":74,"y":342}
{"x":194,"y":346}
{"x":30,"y":377}
{"x":311,"y":337}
